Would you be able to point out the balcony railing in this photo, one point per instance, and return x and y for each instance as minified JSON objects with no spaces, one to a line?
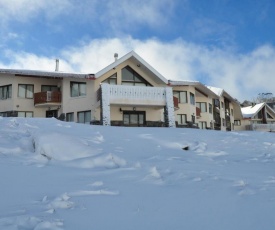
{"x":122,"y":94}
{"x":47,"y":97}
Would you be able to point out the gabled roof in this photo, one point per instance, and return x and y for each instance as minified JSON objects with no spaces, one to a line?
{"x":139,"y":61}
{"x":38,"y":73}
{"x":251,"y":111}
{"x":198,"y":85}
{"x":221,"y":92}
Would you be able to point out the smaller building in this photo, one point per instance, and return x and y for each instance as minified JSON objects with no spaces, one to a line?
{"x":226,"y":110}
{"x":257,"y":117}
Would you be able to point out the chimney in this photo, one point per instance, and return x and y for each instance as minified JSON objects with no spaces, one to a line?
{"x":56,"y":65}
{"x":115,"y":56}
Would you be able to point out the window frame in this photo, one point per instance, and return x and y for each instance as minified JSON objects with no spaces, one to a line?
{"x":237,"y":122}
{"x":180,"y":97}
{"x":181,"y":116}
{"x":50,"y":86}
{"x":108,"y":80}
{"x":192,"y":99}
{"x":6,"y":95}
{"x":79,"y":84}
{"x":137,"y":79}
{"x":85,"y":121}
{"x":25,"y":113}
{"x":199,"y":105}
{"x":26,"y":91}
{"x":70,"y":115}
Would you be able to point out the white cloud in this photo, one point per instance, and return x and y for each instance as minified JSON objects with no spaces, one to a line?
{"x":242,"y":75}
{"x":24,"y":10}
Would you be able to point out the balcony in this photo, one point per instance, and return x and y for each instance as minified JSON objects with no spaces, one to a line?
{"x":48,"y":98}
{"x":135,"y":95}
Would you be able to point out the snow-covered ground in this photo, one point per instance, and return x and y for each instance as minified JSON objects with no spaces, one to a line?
{"x":58,"y":175}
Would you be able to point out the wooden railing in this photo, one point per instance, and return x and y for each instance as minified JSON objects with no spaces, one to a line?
{"x":47,"y":97}
{"x":176,"y":102}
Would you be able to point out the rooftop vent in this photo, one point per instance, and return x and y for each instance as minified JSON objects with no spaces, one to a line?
{"x":56,"y":65}
{"x":115,"y":56}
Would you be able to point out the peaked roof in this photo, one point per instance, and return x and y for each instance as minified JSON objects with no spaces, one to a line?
{"x":253,"y":110}
{"x":198,"y":85}
{"x":221,"y":92}
{"x":138,"y":60}
{"x":38,"y":73}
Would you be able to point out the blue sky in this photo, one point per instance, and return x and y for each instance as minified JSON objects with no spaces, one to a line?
{"x":223,"y":43}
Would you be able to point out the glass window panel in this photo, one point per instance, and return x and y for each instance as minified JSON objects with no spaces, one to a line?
{"x":126,"y":119}
{"x":133,"y":119}
{"x":203,"y":107}
{"x":70,"y":117}
{"x":127,"y":75}
{"x":87,"y":117}
{"x":81,"y":117}
{"x":141,"y":119}
{"x":74,"y":89}
{"x":21,"y":114}
{"x":112,"y":81}
{"x":192,"y":99}
{"x":137,"y":79}
{"x":82,"y":89}
{"x":140,"y":84}
{"x":183,"y":97}
{"x":29,"y":114}
{"x":10,"y":91}
{"x":21,"y":90}
{"x":29,"y":91}
{"x":128,"y":83}
{"x":45,"y":88}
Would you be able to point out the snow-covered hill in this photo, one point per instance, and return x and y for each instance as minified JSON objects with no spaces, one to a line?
{"x":58,"y":175}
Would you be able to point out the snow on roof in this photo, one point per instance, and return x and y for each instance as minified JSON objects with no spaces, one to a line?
{"x":216,"y":90}
{"x":38,"y":73}
{"x":250,"y":111}
{"x":182,"y":83}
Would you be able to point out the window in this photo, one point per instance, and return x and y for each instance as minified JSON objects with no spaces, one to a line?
{"x":222,"y":105}
{"x":5,"y":92}
{"x":232,"y":112}
{"x":223,"y":122}
{"x":202,"y":106}
{"x":84,"y":117}
{"x":181,"y":119}
{"x":210,"y":107}
{"x":25,"y":114}
{"x":69,"y":117}
{"x":237,"y":122}
{"x":133,"y":118}
{"x":111,"y":80}
{"x":78,"y":89}
{"x":25,"y":91}
{"x":45,"y":88}
{"x":192,"y":99}
{"x":131,"y":77}
{"x":181,"y":95}
{"x":202,"y":124}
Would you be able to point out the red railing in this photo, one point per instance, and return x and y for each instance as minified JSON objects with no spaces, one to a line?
{"x":176,"y":102}
{"x":47,"y":97}
{"x":198,"y":112}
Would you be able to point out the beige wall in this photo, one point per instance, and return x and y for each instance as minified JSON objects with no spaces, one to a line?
{"x":205,"y":116}
{"x":78,"y":104}
{"x":186,"y":108}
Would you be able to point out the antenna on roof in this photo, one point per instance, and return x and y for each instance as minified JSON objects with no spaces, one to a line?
{"x":115,"y":56}
{"x":56,"y":65}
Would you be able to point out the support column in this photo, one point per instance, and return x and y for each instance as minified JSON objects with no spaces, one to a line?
{"x":169,"y":108}
{"x":105,"y":104}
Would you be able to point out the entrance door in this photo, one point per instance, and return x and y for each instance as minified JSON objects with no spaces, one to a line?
{"x":51,"y":113}
{"x":134,"y":118}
